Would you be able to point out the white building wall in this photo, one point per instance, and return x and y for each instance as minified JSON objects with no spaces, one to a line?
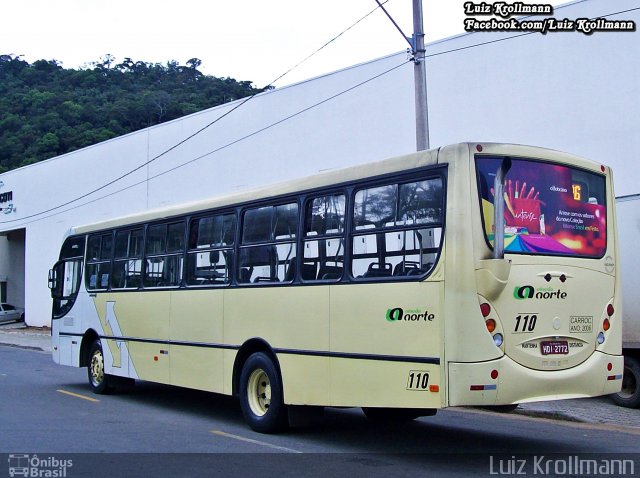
{"x":310,"y":132}
{"x":565,"y":91}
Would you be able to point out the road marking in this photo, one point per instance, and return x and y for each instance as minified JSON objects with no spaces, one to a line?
{"x":255,"y":442}
{"x":77,"y":395}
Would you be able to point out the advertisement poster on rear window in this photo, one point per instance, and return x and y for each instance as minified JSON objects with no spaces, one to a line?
{"x":548,"y":208}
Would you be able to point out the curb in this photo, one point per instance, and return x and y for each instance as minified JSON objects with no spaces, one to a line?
{"x":549,"y":415}
{"x":24,"y":337}
{"x":25,"y":347}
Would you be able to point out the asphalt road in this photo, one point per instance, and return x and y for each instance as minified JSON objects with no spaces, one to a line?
{"x":155,"y":430}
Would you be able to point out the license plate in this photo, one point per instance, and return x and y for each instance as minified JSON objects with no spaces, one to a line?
{"x":558,"y":347}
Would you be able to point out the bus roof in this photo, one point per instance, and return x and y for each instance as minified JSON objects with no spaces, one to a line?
{"x":328,"y":178}
{"x":386,"y":166}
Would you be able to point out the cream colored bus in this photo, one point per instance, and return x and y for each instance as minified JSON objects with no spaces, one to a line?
{"x":376,"y":286}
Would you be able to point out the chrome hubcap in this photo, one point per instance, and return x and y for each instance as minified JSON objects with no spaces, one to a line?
{"x":97,"y":368}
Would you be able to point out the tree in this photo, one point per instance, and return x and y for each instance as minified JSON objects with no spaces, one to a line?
{"x":46,"y":110}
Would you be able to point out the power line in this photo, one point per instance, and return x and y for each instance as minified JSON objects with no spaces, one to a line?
{"x":327,"y":43}
{"x":497,"y":40}
{"x":225,"y":146}
{"x":258,"y":131}
{"x":196,"y":133}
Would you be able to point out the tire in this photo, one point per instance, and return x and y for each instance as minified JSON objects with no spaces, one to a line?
{"x":99,"y":381}
{"x":629,"y":396}
{"x":21,"y":318}
{"x":396,"y":415}
{"x":261,"y":396}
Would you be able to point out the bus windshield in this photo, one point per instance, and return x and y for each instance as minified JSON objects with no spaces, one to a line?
{"x":550,"y":209}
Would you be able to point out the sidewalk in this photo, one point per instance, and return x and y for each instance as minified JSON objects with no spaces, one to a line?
{"x":19,"y":335}
{"x":586,"y":410}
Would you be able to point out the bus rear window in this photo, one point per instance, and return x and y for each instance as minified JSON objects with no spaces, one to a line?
{"x":550,"y":209}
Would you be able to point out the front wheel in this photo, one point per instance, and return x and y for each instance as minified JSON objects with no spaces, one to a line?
{"x":98,"y":379}
{"x":261,"y":397}
{"x":629,"y":396}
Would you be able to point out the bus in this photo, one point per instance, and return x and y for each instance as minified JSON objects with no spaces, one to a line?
{"x":402,"y":287}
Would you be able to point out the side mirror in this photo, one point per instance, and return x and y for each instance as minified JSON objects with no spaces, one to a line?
{"x":55,"y":280}
{"x":52,"y":279}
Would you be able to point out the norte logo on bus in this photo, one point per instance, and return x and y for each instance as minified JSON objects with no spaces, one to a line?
{"x":398,"y":314}
{"x":529,"y":292}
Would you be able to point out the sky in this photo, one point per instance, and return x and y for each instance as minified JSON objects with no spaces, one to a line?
{"x":251,"y":40}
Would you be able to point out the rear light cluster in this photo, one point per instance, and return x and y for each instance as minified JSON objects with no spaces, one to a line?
{"x":606,"y":323}
{"x":492,"y":324}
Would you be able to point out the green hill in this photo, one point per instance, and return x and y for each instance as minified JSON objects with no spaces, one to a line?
{"x":47,"y":110}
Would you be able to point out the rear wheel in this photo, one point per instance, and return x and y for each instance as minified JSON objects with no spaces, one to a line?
{"x":629,"y":396}
{"x":261,"y":397}
{"x":99,"y":381}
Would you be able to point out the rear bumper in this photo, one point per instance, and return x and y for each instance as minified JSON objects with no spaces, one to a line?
{"x":471,"y":383}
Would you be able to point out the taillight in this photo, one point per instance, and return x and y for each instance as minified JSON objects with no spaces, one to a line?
{"x":485,"y":309}
{"x":491,"y":322}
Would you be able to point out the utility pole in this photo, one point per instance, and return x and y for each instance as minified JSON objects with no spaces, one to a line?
{"x":420,"y":72}
{"x":420,"y":78}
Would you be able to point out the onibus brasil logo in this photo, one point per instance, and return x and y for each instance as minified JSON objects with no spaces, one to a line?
{"x":529,"y":292}
{"x":398,"y":314}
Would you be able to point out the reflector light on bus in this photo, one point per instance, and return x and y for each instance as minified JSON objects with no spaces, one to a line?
{"x":491,"y":325}
{"x":485,"y":309}
{"x":494,"y":374}
{"x":606,"y":324}
{"x":615,"y":377}
{"x":600,"y":338}
{"x":476,"y":388}
{"x":609,"y":366}
{"x":497,"y":339}
{"x":610,"y":310}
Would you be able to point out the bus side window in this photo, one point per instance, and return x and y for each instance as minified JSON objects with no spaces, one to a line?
{"x":323,"y":246}
{"x":273,"y":260}
{"x":164,"y":254}
{"x":210,"y":250}
{"x":396,"y":229}
{"x":127,"y":264}
{"x":99,"y":253}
